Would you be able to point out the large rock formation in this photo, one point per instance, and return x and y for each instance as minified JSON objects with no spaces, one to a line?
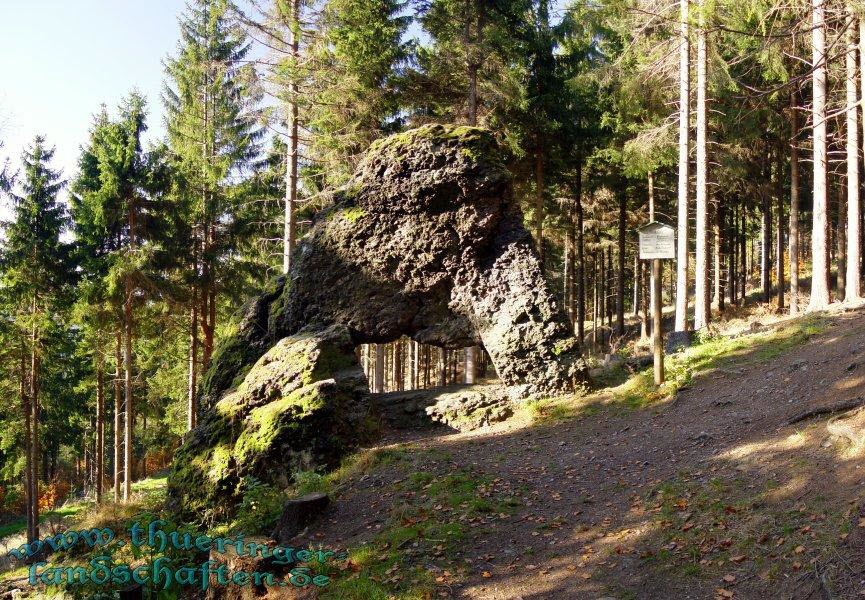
{"x":425,"y":241}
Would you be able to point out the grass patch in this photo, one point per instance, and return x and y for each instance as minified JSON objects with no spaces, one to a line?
{"x":414,"y":552}
{"x":707,"y":527}
{"x":715,"y":352}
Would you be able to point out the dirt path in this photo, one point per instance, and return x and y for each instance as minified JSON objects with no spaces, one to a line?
{"x":706,"y":496}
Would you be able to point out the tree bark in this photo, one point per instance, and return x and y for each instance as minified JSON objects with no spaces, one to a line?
{"x":539,"y":201}
{"x":581,"y":259}
{"x":683,"y":195}
{"x":841,"y":241}
{"x":779,"y":239}
{"x":27,"y":414}
{"x":100,"y":426}
{"x":794,"y":206}
{"x":766,"y":245}
{"x":192,"y":395}
{"x":378,"y":370}
{"x":853,"y":212}
{"x":701,"y":269}
{"x":620,"y":279}
{"x":118,"y":361}
{"x":290,"y":225}
{"x":34,"y":407}
{"x":819,"y":280}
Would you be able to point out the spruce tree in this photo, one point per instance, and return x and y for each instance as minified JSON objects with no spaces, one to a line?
{"x":37,"y":271}
{"x":211,"y":99}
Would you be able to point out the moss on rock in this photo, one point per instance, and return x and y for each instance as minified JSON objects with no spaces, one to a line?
{"x":300,"y":406}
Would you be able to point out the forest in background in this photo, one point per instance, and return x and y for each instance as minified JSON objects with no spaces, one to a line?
{"x":736,"y":121}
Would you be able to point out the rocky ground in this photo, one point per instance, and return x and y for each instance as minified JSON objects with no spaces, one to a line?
{"x":709,"y":495}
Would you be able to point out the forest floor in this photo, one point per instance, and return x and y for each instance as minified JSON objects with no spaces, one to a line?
{"x":699,"y":490}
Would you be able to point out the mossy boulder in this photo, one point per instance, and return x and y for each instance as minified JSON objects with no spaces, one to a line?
{"x":302,"y":405}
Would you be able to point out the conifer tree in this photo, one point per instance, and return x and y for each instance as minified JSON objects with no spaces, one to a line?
{"x":211,"y":99}
{"x":37,"y":272}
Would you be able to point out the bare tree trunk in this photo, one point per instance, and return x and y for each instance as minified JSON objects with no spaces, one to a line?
{"x":794,"y":206}
{"x":732,"y":254}
{"x":779,"y":239}
{"x":290,"y":225}
{"x":819,"y":280}
{"x":27,"y":414}
{"x":702,"y":312}
{"x":595,"y":299}
{"x":100,"y":426}
{"x":581,"y":259}
{"x":129,"y":421}
{"x":853,"y":212}
{"x":684,"y":123}
{"x":766,"y":246}
{"x":192,"y":396}
{"x":651,"y":182}
{"x":620,"y":280}
{"x":34,"y":407}
{"x":717,"y":225}
{"x":539,"y":201}
{"x":442,"y":367}
{"x":117,"y":412}
{"x":378,"y":370}
{"x":841,"y":241}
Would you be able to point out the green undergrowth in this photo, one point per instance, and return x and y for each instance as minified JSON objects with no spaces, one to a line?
{"x":620,"y":388}
{"x":417,"y":550}
{"x":710,"y":526}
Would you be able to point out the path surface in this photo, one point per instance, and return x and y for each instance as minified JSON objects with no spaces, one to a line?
{"x":706,"y":496}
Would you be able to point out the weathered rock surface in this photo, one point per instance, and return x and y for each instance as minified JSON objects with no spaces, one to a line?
{"x":303,"y":404}
{"x":464,"y":408}
{"x":425,"y":241}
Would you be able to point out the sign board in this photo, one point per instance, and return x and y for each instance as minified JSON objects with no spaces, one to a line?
{"x":657,"y":240}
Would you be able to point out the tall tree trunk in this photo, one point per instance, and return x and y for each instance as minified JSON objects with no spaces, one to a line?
{"x":442,"y":368}
{"x":581,"y":258}
{"x":620,"y":280}
{"x":779,"y":238}
{"x":651,"y":183}
{"x":539,"y":200}
{"x":766,"y":246}
{"x":701,"y":268}
{"x":794,"y":206}
{"x":474,"y":53}
{"x":643,"y":300}
{"x":841,"y":241}
{"x":34,"y":406}
{"x":118,"y":399}
{"x":192,"y":395}
{"x":819,"y":280}
{"x":732,"y":254}
{"x":27,"y":414}
{"x":853,"y":212}
{"x":100,"y":426}
{"x":127,"y":362}
{"x":683,"y":196}
{"x":718,"y":246}
{"x":290,"y":225}
{"x":129,"y":412}
{"x":378,"y":370}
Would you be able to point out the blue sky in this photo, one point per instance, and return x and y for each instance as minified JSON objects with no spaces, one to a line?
{"x":61,"y":59}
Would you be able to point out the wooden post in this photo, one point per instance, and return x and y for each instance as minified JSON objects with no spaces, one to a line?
{"x":657,"y":326}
